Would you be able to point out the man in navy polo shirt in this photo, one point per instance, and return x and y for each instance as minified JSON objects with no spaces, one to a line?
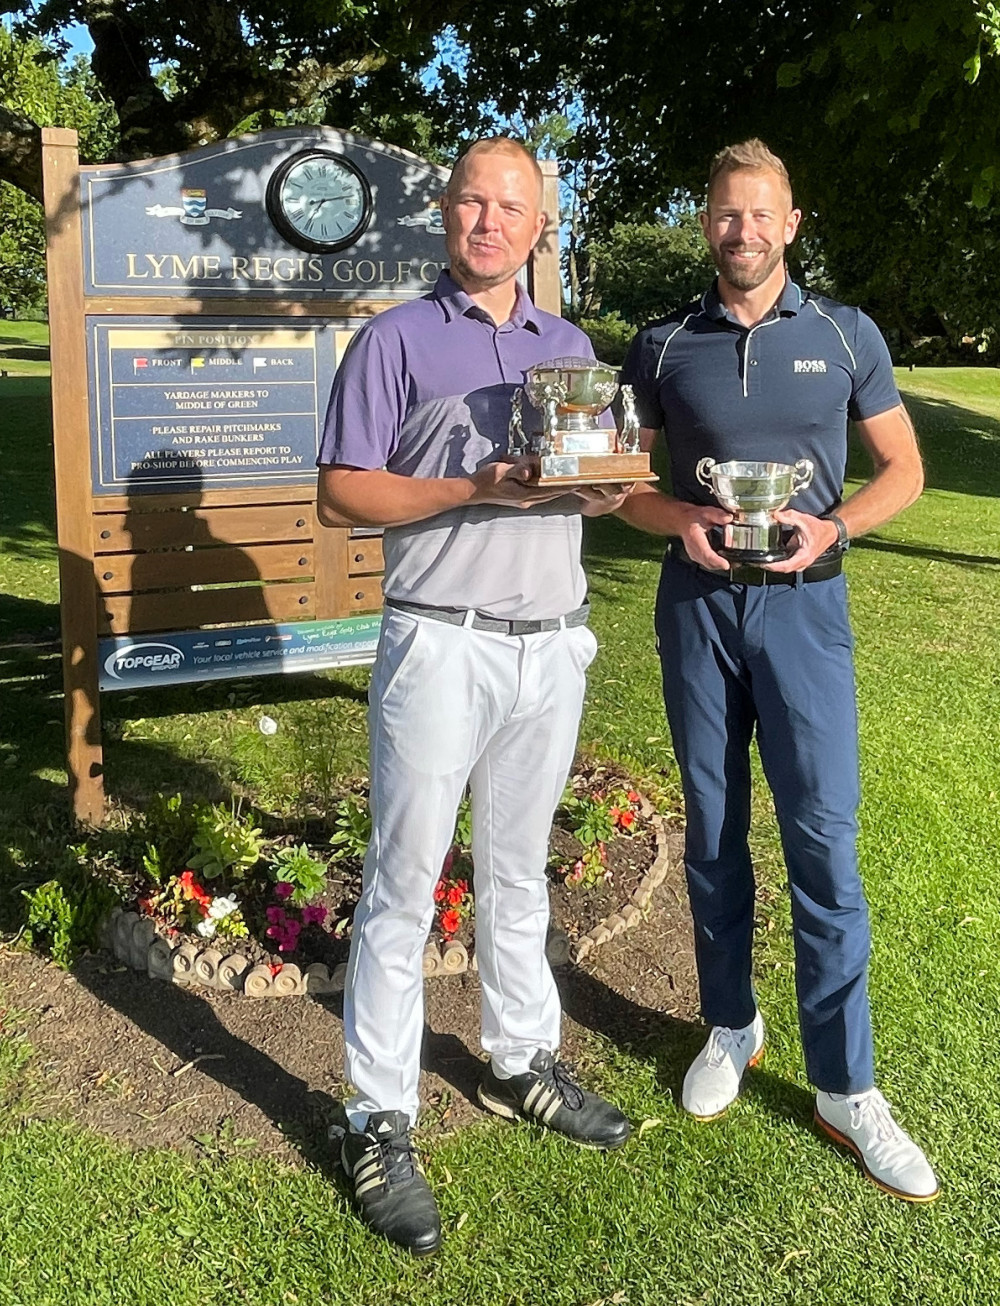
{"x":760,"y":369}
{"x":479,"y":679}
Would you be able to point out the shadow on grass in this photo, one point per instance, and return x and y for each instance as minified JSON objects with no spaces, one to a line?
{"x":961,"y":448}
{"x":24,"y":349}
{"x":977,"y":561}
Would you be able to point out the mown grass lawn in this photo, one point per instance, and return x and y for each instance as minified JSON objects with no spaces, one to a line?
{"x":753,"y":1209}
{"x":24,"y":348}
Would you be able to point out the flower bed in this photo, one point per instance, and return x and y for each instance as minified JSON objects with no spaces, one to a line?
{"x":210,"y":899}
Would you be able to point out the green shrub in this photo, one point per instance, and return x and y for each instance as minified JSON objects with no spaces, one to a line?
{"x":65,"y":913}
{"x":610,"y":335}
{"x":225,"y":843}
{"x":298,"y":867}
{"x":352,"y":828}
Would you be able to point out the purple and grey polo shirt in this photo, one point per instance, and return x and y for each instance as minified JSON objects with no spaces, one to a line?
{"x":425,"y":389}
{"x":778,"y":391}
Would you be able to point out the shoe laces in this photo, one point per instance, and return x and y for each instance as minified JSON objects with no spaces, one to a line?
{"x":872,"y":1111}
{"x":560,"y":1076}
{"x":397,"y":1155}
{"x":723,"y":1042}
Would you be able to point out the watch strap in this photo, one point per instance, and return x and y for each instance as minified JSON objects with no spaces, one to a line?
{"x":843,"y":540}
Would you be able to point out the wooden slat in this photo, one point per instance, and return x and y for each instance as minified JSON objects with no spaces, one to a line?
{"x":132,"y":532}
{"x":305,"y":493}
{"x":365,"y":557}
{"x":546,"y":287}
{"x":331,"y":544}
{"x":71,"y":441}
{"x":122,"y":573}
{"x":365,"y":594}
{"x":183,"y":609}
{"x":241,"y":310}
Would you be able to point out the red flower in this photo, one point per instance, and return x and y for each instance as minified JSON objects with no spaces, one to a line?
{"x":450,"y":921}
{"x":632,"y":796}
{"x":186,"y":880}
{"x":440,"y":891}
{"x":626,"y":820}
{"x":455,"y":895}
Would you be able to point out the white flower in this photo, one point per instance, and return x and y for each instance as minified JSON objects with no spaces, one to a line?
{"x":205,"y":927}
{"x":221,"y":908}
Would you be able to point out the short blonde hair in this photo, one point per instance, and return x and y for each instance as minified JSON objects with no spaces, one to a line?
{"x":495,"y":145}
{"x":748,"y":156}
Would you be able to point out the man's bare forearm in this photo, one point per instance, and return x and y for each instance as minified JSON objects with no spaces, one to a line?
{"x":348,"y":497}
{"x":650,"y":510}
{"x":898,"y":479}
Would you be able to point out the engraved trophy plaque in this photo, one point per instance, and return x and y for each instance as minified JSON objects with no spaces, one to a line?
{"x":752,"y":492}
{"x":572,"y":448}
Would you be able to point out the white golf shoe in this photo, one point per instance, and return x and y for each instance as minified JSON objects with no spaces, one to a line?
{"x":712,"y":1082}
{"x":889,"y":1157}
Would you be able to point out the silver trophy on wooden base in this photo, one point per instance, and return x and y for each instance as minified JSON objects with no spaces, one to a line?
{"x":753,"y":492}
{"x":572,"y":448}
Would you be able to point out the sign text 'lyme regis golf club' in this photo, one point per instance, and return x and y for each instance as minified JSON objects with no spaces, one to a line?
{"x":312,"y":270}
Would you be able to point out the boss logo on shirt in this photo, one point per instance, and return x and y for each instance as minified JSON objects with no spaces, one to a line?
{"x":809,"y":365}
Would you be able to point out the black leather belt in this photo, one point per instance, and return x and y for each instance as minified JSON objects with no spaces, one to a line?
{"x":497,"y":625}
{"x":824,"y":568}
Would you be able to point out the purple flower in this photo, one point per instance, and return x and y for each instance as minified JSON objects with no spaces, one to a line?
{"x":276,"y":915}
{"x":313,"y":915}
{"x":283,"y":889}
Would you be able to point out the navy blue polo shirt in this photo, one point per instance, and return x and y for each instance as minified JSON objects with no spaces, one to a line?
{"x":778,"y":391}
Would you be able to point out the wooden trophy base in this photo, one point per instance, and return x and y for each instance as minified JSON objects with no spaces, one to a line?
{"x":594,"y":469}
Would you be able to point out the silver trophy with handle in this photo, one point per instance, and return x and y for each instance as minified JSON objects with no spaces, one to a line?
{"x":753,"y":492}
{"x":571,"y":447}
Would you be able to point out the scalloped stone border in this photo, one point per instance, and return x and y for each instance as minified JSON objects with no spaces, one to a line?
{"x":133,"y":940}
{"x":637,"y":907}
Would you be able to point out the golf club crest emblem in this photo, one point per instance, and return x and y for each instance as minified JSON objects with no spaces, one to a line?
{"x":193,"y":210}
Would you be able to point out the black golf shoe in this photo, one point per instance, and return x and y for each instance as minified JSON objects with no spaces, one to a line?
{"x":548,"y":1095}
{"x":389,"y":1183}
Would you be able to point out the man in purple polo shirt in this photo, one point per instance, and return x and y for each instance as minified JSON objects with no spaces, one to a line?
{"x":479,"y":679}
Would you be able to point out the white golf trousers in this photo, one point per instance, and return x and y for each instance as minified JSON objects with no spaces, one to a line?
{"x":450,"y":706}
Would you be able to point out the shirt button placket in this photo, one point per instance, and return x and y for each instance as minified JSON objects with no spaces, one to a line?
{"x":753,"y":371}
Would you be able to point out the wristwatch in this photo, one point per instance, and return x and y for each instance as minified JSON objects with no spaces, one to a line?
{"x":843,"y":541}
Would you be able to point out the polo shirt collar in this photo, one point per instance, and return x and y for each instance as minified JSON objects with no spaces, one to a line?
{"x":788,"y":304}
{"x":456,"y":303}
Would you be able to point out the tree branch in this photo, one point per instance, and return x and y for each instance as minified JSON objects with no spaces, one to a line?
{"x":20,"y":152}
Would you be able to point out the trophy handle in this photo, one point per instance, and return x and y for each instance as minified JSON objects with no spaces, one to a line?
{"x":551,"y":423}
{"x":516,"y":443}
{"x":803,"y":474}
{"x":630,"y":422}
{"x":702,"y":471}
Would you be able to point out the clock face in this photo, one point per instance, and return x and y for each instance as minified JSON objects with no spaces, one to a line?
{"x":319,"y":201}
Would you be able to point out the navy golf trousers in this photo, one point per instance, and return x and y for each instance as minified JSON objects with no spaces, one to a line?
{"x":778,"y":658}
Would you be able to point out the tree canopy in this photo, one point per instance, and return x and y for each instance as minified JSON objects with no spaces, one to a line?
{"x":885,"y":113}
{"x":188,"y":72}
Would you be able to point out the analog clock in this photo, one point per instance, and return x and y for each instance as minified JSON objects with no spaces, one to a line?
{"x":319,"y":201}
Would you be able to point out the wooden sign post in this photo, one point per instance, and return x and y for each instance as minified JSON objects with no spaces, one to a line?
{"x":200,"y":305}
